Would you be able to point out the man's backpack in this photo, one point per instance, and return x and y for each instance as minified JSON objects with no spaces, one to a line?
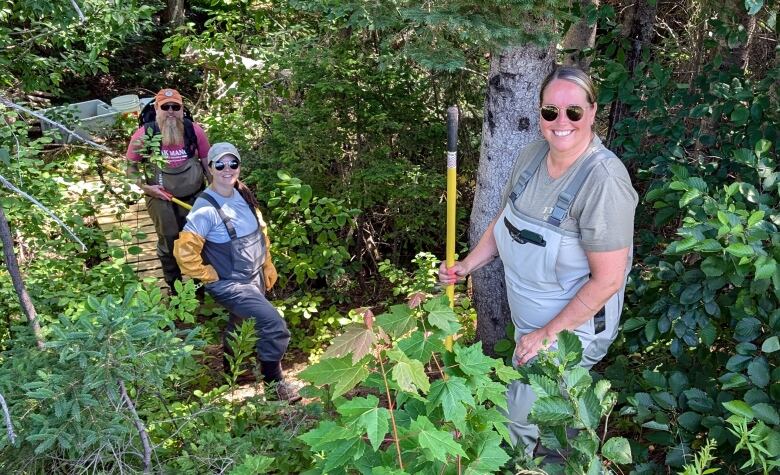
{"x":148,"y":120}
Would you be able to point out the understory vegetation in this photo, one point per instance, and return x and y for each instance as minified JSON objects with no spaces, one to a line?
{"x":338,"y":110}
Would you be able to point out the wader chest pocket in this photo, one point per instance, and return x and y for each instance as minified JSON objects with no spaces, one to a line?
{"x":524,"y":236}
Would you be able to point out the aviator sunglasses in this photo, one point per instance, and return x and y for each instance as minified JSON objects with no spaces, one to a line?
{"x":550,"y":112}
{"x":233,"y":164}
{"x":171,"y":107}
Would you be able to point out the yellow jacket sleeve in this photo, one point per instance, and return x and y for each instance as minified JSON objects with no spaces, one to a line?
{"x":269,"y":271}
{"x":187,"y":251}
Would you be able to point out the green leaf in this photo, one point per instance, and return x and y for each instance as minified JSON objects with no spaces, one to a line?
{"x":367,"y":415}
{"x":356,"y":339}
{"x":452,"y":395}
{"x":543,"y":386}
{"x":770,"y":345}
{"x":551,"y":409}
{"x":577,"y":377}
{"x":738,"y":249}
{"x":617,"y":450}
{"x":420,"y":346}
{"x":766,"y":413}
{"x":398,"y":322}
{"x":758,"y":371}
{"x":339,"y":371}
{"x":689,"y":421}
{"x":766,"y":269}
{"x":325,"y":433}
{"x":589,"y":409}
{"x":569,"y":347}
{"x":747,"y":329}
{"x":472,"y":360}
{"x":755,"y":217}
{"x":343,"y":452}
{"x":740,"y":408}
{"x":441,"y":316}
{"x":439,"y":443}
{"x":409,"y":374}
{"x":490,"y":457}
{"x":664,"y":400}
{"x":753,"y":7}
{"x":689,"y":196}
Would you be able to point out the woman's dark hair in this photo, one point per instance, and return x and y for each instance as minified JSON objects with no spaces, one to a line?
{"x":574,"y":75}
{"x":247,"y":194}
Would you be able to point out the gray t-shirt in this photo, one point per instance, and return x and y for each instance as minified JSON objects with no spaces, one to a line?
{"x":603,"y":211}
{"x":204,"y":220}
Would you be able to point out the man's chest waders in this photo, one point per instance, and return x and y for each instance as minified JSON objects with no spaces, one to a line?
{"x":240,"y":288}
{"x":545,"y":266}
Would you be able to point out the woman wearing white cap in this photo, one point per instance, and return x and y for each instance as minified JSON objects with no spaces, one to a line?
{"x":225,"y":245}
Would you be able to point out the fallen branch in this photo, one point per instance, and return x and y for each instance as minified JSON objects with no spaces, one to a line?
{"x":16,"y":278}
{"x":8,"y":424}
{"x":82,"y":18}
{"x":139,"y":425}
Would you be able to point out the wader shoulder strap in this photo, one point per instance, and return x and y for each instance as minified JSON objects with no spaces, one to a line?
{"x":566,"y":198}
{"x":526,"y":175}
{"x":225,"y":219}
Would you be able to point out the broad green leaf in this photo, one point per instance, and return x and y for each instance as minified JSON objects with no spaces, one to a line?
{"x":689,"y":196}
{"x":472,"y":360}
{"x":766,"y":413}
{"x":452,"y":395}
{"x":589,"y":409}
{"x":617,"y":450}
{"x":738,"y":249}
{"x":492,"y":391}
{"x":732,"y":380}
{"x":712,"y":266}
{"x":753,"y":7}
{"x":577,"y":377}
{"x":356,"y":407}
{"x":340,"y":372}
{"x":708,"y":245}
{"x":506,"y":373}
{"x":441,"y":316}
{"x":766,"y":269}
{"x":681,"y":246}
{"x":664,"y":400}
{"x":747,"y":329}
{"x":356,"y":339}
{"x":740,"y":408}
{"x":490,"y":457}
{"x":569,"y":347}
{"x":543,"y":386}
{"x":770,"y":345}
{"x":440,"y":443}
{"x":551,"y":409}
{"x":325,"y":433}
{"x":493,"y":418}
{"x":689,"y":421}
{"x":420,"y":346}
{"x":758,"y":371}
{"x":398,"y":321}
{"x":409,"y":374}
{"x":343,"y":452}
{"x":755,"y":217}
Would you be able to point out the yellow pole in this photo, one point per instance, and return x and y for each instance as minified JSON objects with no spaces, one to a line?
{"x":452,"y":174}
{"x":174,"y":199}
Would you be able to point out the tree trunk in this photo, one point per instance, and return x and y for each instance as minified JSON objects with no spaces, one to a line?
{"x":581,"y":36}
{"x":641,"y":35}
{"x":16,"y":278}
{"x":174,"y":13}
{"x":511,"y":122}
{"x":739,"y":57}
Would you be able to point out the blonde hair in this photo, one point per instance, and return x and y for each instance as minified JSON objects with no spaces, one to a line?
{"x":575,"y":76}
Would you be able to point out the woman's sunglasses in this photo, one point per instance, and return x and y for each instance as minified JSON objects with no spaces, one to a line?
{"x":171,"y":107}
{"x":233,"y":164}
{"x":550,"y":112}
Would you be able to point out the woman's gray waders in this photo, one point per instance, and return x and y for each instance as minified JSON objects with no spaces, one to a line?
{"x":241,"y":289}
{"x":545,"y":266}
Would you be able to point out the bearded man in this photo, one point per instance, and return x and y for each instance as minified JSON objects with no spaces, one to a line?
{"x":173,"y":153}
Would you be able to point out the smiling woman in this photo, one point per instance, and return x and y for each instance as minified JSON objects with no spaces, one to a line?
{"x":564,"y":235}
{"x":225,"y":245}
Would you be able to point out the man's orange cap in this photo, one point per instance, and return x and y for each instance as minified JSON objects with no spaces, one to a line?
{"x":168,"y":95}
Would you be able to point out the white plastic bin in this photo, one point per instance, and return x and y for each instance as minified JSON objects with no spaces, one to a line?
{"x":88,"y":119}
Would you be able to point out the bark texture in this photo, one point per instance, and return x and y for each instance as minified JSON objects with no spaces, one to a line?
{"x":174,"y":12}
{"x":16,"y":278}
{"x":581,"y":36}
{"x":511,"y":122}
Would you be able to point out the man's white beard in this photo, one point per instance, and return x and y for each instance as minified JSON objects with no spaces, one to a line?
{"x":172,"y":130}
